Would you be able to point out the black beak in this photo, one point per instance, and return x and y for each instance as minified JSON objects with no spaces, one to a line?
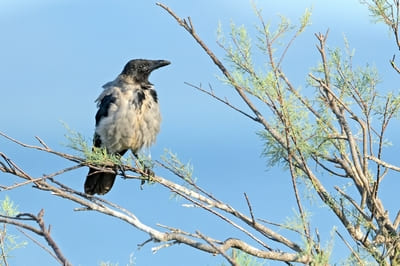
{"x":158,"y":63}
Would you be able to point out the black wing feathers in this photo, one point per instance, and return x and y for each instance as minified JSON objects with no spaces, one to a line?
{"x":104,"y":107}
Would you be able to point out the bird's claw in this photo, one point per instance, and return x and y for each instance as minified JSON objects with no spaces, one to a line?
{"x":122,"y":169}
{"x":148,"y":174}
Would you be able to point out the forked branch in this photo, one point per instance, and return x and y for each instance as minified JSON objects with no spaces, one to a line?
{"x":42,"y":231}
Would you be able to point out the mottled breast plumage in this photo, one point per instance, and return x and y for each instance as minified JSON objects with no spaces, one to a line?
{"x":127,"y":118}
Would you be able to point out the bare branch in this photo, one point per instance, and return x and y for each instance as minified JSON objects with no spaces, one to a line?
{"x":39,"y":244}
{"x":393,"y":64}
{"x":282,"y":226}
{"x":42,"y":142}
{"x":250,"y":208}
{"x":45,"y":149}
{"x":211,"y":93}
{"x":383,"y":163}
{"x":43,"y":232}
{"x":41,"y":178}
{"x":350,"y":248}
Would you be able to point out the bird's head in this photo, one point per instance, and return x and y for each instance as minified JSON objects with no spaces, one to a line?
{"x":139,"y":69}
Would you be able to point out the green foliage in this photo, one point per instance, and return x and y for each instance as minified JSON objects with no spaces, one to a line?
{"x":322,"y":257}
{"x":244,"y":259}
{"x":182,"y":170}
{"x":363,"y":255}
{"x":94,"y":155}
{"x":144,"y":161}
{"x":295,"y":222}
{"x":273,"y":150}
{"x":76,"y":140}
{"x":357,"y":88}
{"x":8,"y":242}
{"x":173,"y":163}
{"x":267,"y":85}
{"x":305,"y":20}
{"x":312,"y":127}
{"x":381,"y":11}
{"x":8,"y":208}
{"x":388,"y":105}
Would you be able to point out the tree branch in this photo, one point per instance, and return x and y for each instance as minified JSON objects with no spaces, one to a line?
{"x":100,"y":205}
{"x":383,"y":163}
{"x":43,"y":232}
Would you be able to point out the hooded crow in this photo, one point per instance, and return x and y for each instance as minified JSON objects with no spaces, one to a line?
{"x":128,"y":118}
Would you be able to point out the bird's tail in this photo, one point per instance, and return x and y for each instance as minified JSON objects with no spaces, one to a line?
{"x":98,"y":182}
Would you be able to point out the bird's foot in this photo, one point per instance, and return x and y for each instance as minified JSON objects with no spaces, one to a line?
{"x":147,"y":175}
{"x":122,"y":169}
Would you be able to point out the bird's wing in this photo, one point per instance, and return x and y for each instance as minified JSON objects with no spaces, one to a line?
{"x":104,"y":105}
{"x":105,"y":99}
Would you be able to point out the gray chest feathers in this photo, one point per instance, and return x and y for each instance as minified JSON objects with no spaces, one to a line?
{"x":132,"y":118}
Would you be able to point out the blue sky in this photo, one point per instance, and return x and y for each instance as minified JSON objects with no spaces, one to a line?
{"x":56,"y":55}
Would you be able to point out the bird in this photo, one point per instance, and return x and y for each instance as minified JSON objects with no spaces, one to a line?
{"x":128,"y":118}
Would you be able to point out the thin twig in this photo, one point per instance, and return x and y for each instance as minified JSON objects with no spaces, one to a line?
{"x":282,"y":226}
{"x":351,"y":249}
{"x":353,"y":202}
{"x":250,"y":208}
{"x":64,"y":155}
{"x":41,"y":178}
{"x":39,"y":244}
{"x":2,"y":245}
{"x":42,"y":142}
{"x":396,"y":221}
{"x":211,"y":93}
